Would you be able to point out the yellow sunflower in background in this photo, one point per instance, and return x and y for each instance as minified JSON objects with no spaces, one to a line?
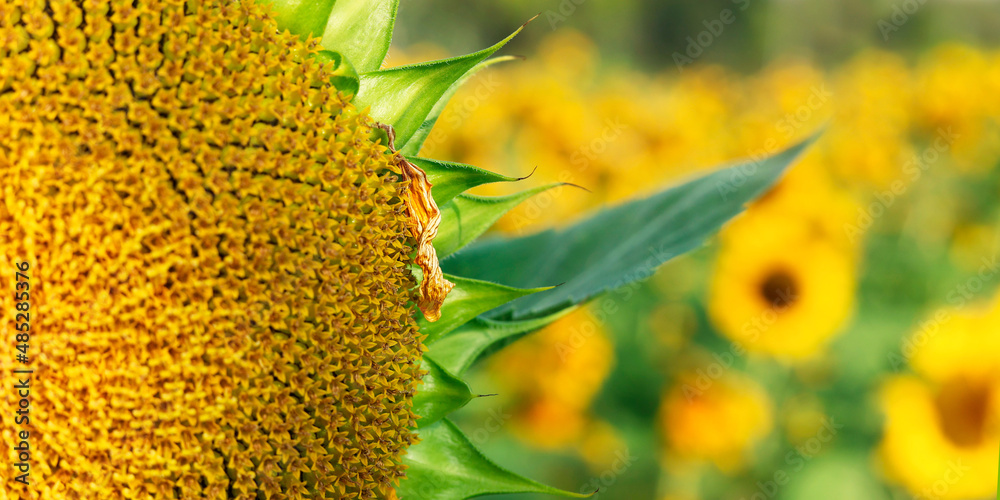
{"x":785,"y":300}
{"x":805,"y":205}
{"x":870,"y":133}
{"x":554,"y":375}
{"x":943,"y":423}
{"x":965,"y":114}
{"x":784,"y":279}
{"x":718,"y":419}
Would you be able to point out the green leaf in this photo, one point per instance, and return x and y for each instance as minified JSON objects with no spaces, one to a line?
{"x":439,"y":394}
{"x":361,"y":30}
{"x":450,"y":179}
{"x":476,"y":339}
{"x":358,"y":29}
{"x":467,"y":300}
{"x":344,"y":78}
{"x":445,"y":465}
{"x":302,"y":17}
{"x":415,"y":142}
{"x":404,"y":97}
{"x":466,"y":217}
{"x":620,"y":245}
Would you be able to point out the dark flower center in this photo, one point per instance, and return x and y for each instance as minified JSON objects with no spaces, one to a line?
{"x":963,"y":408}
{"x":779,"y":289}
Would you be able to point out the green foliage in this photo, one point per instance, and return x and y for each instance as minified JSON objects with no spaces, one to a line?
{"x":621,"y":245}
{"x":440,"y":394}
{"x":339,"y":22}
{"x":445,"y":465}
{"x":467,"y":216}
{"x":344,"y":78}
{"x":349,"y":18}
{"x":404,"y":97}
{"x":413,"y":146}
{"x":302,"y":17}
{"x":467,"y":300}
{"x":459,"y":350}
{"x":450,"y":179}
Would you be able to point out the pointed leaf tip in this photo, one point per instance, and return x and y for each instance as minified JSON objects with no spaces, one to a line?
{"x":450,"y":179}
{"x":413,"y":146}
{"x":445,"y":465}
{"x":533,"y":170}
{"x":576,"y":186}
{"x":620,"y":245}
{"x":439,"y":394}
{"x":405,"y":96}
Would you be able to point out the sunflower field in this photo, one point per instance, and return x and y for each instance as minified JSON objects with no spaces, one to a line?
{"x":640,"y":249}
{"x":840,"y":339}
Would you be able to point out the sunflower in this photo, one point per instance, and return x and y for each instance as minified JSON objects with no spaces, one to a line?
{"x":781,"y":296}
{"x":554,"y":376}
{"x":875,"y":95}
{"x":950,"y":105}
{"x":805,"y":204}
{"x":718,"y":421}
{"x":942,"y":426}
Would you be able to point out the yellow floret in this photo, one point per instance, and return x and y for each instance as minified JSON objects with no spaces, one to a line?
{"x":221,"y":298}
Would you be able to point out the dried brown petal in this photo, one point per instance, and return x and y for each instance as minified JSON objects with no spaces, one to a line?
{"x":425,"y":217}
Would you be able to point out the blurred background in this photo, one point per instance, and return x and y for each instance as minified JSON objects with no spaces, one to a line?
{"x":841,"y":339}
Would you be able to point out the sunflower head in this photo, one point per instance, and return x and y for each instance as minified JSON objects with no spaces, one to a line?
{"x":778,"y":303}
{"x":225,"y":305}
{"x":719,"y":418}
{"x":943,"y":422}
